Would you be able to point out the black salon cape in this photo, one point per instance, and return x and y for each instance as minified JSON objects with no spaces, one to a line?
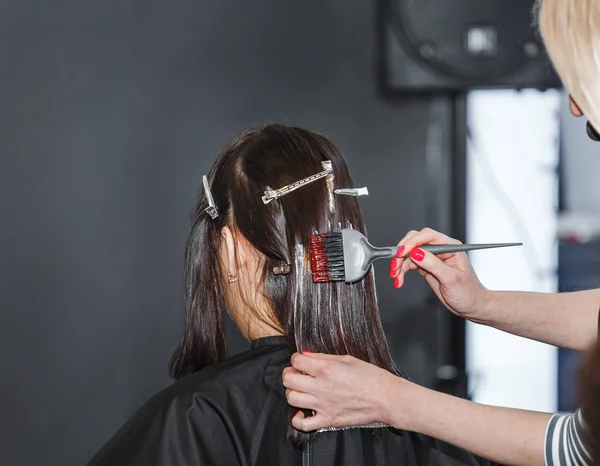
{"x":235,"y":413}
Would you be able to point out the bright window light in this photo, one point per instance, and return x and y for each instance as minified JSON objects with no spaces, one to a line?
{"x":512,"y":196}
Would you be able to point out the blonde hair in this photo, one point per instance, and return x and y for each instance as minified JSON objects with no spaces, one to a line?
{"x":571,"y":32}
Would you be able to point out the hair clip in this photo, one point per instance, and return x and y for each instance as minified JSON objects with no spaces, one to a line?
{"x":330,"y":180}
{"x":353,"y":192}
{"x":282,"y":269}
{"x":277,"y":193}
{"x":212,"y":208}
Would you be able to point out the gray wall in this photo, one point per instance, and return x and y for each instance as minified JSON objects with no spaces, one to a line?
{"x":110,"y":113}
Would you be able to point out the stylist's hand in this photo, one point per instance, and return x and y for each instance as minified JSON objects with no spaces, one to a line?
{"x":342,"y":390}
{"x":450,"y":275}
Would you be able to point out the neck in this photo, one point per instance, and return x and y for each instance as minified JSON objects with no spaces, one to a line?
{"x":254,"y":325}
{"x":258,"y":335}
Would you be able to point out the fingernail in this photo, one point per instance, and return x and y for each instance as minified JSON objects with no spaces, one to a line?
{"x":307,"y":352}
{"x":400,"y":251}
{"x":298,"y":412}
{"x":392,"y":271}
{"x":417,"y":254}
{"x":396,"y":283}
{"x":395,"y":264}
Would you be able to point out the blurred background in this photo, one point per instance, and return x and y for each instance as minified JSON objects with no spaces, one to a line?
{"x":111,"y":111}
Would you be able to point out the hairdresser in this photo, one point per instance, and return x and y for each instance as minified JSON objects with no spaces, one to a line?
{"x":344,"y":391}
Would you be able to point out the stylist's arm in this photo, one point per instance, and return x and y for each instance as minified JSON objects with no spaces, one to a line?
{"x":567,"y":320}
{"x":345,"y":391}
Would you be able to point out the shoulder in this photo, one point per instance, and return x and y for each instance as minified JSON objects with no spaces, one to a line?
{"x":200,"y":414}
{"x":241,"y":373}
{"x":564,"y":438}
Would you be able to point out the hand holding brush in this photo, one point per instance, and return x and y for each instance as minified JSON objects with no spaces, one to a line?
{"x":347,"y":255}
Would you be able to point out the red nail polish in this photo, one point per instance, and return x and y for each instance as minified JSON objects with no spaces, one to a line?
{"x":400,"y":251}
{"x":395,"y":264}
{"x":307,"y":352}
{"x":392,"y":272}
{"x":417,"y":255}
{"x":298,"y":412}
{"x":396,"y":283}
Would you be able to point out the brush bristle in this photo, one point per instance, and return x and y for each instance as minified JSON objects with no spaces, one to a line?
{"x":327,"y":257}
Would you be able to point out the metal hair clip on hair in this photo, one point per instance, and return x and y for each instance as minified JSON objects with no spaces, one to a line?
{"x":353,"y":192}
{"x":330,"y":182}
{"x":277,"y":193}
{"x":212,"y":208}
{"x":282,"y":269}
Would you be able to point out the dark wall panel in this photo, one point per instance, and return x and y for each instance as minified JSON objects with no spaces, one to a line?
{"x":110,"y":113}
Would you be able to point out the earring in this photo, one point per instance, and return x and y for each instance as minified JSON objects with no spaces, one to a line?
{"x":232,"y":278}
{"x":591,"y":132}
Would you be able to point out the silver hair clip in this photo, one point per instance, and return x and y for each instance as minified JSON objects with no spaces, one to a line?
{"x":327,"y":165}
{"x":212,"y":208}
{"x":277,"y":193}
{"x":282,"y":269}
{"x":353,"y":192}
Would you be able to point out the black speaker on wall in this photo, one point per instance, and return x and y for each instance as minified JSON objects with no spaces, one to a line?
{"x":431,"y":46}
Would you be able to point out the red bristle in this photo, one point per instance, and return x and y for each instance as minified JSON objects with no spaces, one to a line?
{"x":315,"y":254}
{"x":320,"y":266}
{"x":316,"y":250}
{"x":320,"y":237}
{"x":320,"y":277}
{"x":313,"y":260}
{"x":318,"y":259}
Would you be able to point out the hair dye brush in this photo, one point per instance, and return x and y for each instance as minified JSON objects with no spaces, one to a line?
{"x":347,"y":255}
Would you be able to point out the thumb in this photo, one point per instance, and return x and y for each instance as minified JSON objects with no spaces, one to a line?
{"x":432,"y":264}
{"x":310,"y":423}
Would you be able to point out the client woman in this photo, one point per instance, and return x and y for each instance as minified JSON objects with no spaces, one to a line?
{"x":247,"y":254}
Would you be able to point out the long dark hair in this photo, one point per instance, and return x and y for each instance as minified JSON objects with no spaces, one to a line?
{"x":334,"y":318}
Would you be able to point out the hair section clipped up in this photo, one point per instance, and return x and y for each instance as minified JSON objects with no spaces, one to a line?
{"x":335,"y":318}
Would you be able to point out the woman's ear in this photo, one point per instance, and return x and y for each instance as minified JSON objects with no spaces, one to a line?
{"x":228,"y":251}
{"x":575,"y":110}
